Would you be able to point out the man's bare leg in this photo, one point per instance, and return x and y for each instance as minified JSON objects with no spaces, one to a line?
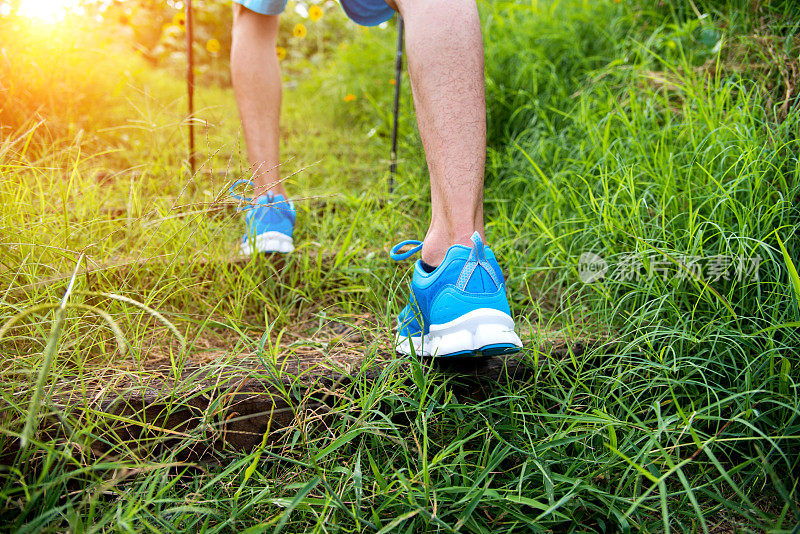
{"x":256,"y":78}
{"x":445,"y":60}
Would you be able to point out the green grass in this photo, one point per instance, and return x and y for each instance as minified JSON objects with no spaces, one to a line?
{"x":618,"y":129}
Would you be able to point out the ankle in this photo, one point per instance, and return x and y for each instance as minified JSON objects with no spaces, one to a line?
{"x":267,"y":180}
{"x":270,"y":188}
{"x":436,"y":244}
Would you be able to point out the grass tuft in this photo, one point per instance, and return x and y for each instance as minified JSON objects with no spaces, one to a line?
{"x":659,"y":142}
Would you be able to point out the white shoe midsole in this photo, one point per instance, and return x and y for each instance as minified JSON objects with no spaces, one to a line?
{"x":471,"y":332}
{"x":268,"y":242}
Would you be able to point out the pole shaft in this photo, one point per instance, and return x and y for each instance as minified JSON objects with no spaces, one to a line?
{"x":398,"y":76}
{"x":190,"y":78}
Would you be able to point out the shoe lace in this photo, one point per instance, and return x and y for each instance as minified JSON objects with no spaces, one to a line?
{"x":249,"y":200}
{"x":396,"y":255}
{"x":477,"y":256}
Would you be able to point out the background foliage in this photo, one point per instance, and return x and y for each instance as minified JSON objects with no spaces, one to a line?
{"x":631,"y":130}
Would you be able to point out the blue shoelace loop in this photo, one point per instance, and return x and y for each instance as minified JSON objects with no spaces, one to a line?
{"x":250,"y":200}
{"x":477,"y":257}
{"x":396,"y":255}
{"x":238,"y":183}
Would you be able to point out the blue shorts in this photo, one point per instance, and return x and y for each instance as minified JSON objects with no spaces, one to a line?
{"x":364,"y":12}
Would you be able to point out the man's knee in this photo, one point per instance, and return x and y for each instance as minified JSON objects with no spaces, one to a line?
{"x":244,"y":19}
{"x":402,"y":5}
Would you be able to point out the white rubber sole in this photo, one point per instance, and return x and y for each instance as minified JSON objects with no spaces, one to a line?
{"x":482,"y":330}
{"x":268,"y":242}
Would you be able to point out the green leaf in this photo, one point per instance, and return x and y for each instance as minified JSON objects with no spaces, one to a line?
{"x":793,"y":276}
{"x":294,"y":502}
{"x":49,"y":356}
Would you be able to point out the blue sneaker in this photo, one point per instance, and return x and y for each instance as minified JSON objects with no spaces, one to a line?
{"x":458,"y":309}
{"x":269,"y":223}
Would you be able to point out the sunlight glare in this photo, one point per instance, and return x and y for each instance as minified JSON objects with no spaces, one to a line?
{"x":50,"y":11}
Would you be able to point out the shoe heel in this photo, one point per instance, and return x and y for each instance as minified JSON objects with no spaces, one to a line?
{"x":484,"y":330}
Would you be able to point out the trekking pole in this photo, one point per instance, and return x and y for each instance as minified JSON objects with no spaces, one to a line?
{"x":398,"y":72}
{"x":190,"y":79}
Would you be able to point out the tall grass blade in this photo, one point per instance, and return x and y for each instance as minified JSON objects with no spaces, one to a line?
{"x":49,"y":355}
{"x":793,"y":276}
{"x":305,"y":490}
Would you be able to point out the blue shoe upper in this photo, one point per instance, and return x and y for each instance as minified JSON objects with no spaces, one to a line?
{"x":468,"y":278}
{"x":267,"y":213}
